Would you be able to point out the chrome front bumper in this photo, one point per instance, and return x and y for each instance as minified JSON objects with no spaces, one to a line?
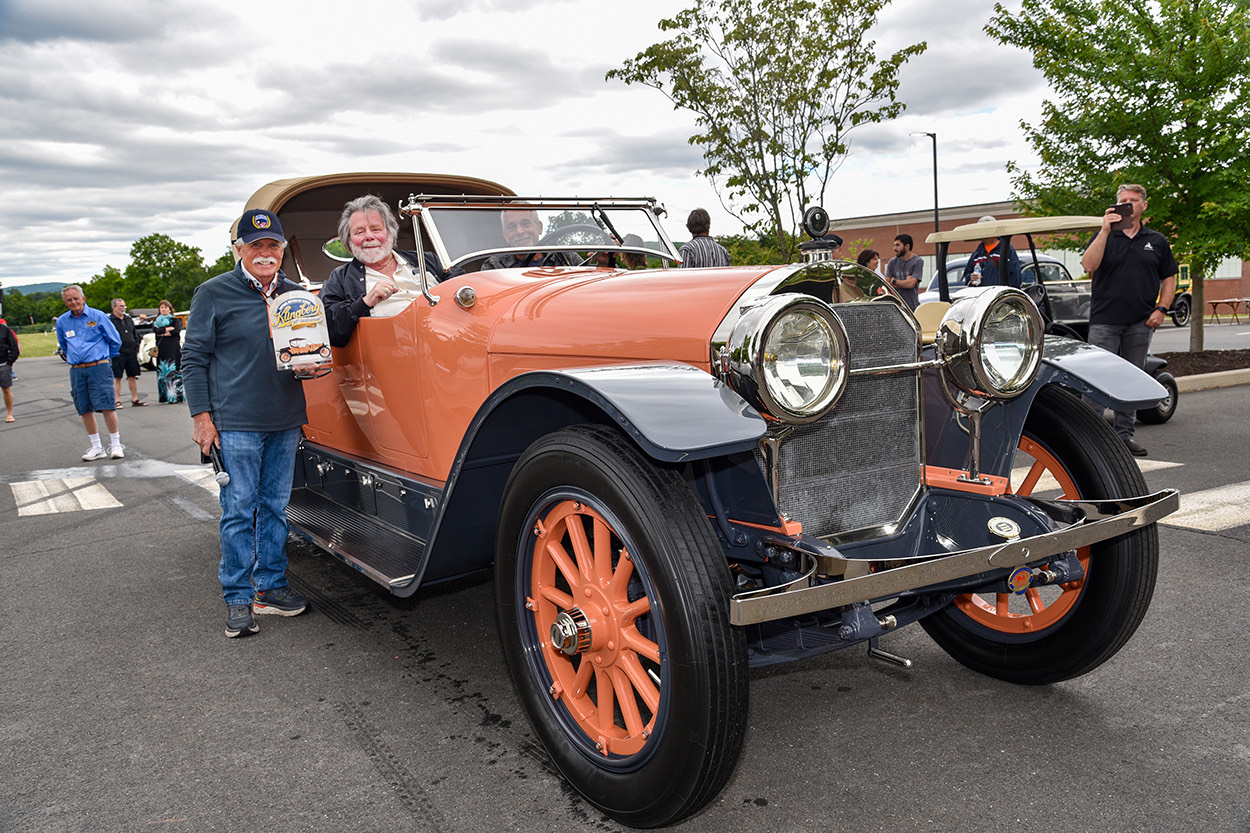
{"x":1084,"y":523}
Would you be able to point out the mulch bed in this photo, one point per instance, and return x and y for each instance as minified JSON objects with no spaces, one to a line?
{"x":1208,"y":361}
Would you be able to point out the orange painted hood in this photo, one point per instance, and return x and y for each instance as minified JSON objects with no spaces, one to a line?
{"x":666,"y":314}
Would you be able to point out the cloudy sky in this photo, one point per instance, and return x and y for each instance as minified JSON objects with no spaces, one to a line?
{"x":127,"y":118}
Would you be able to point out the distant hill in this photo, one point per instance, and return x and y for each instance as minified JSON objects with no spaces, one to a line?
{"x":32,"y":288}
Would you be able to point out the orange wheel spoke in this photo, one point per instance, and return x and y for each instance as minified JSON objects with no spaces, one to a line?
{"x":1002,"y":603}
{"x":1030,"y":480}
{"x":581,"y":680}
{"x":642,"y":682}
{"x":1036,"y":603}
{"x":620,"y":579}
{"x":635,"y":641}
{"x":606,"y":704}
{"x":560,"y":599}
{"x":581,"y":546}
{"x":631,"y":611}
{"x":564,"y":564}
{"x":624,"y":689}
{"x":603,"y":551}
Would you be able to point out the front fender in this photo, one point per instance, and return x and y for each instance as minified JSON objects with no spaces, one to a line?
{"x":674,"y":412}
{"x":1102,"y":376}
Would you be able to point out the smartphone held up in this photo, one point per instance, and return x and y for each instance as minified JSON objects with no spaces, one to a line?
{"x":1125,"y":210}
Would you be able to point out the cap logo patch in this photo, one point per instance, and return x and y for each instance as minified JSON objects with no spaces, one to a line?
{"x":260,"y":221}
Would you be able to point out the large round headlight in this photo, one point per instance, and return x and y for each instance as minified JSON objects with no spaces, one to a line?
{"x":787,"y":356}
{"x":991,"y":342}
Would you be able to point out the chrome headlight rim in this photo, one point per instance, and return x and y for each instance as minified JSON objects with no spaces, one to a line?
{"x":745,"y":365}
{"x":962,"y":343}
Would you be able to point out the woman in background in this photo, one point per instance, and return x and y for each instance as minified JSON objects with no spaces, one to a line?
{"x":168,"y":329}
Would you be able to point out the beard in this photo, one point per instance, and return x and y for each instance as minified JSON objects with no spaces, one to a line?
{"x":372,"y":255}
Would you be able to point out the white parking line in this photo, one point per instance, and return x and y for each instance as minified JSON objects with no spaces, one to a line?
{"x":1213,"y":510}
{"x":202,"y":477}
{"x":69,"y":494}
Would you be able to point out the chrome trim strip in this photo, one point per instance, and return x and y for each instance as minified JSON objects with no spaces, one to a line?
{"x":1095,"y":521}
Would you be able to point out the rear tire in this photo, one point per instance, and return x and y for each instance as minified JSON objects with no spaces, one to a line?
{"x":645,"y":711}
{"x":1064,"y":636}
{"x":1181,"y":312}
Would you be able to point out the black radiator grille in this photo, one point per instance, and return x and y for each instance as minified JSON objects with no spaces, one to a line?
{"x":861,"y":465}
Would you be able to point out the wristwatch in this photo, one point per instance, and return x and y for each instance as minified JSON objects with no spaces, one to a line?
{"x":1162,"y":309}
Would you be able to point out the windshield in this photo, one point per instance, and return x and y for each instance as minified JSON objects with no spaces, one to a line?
{"x":474,"y":232}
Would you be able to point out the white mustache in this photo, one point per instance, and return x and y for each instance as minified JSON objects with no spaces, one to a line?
{"x":264,"y":261}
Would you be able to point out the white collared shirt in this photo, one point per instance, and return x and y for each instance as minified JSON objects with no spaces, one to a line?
{"x":406,"y":281}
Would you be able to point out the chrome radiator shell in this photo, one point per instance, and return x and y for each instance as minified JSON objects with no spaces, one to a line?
{"x":857,"y":471}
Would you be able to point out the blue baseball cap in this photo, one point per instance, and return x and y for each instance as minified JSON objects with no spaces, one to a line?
{"x":259,"y":224}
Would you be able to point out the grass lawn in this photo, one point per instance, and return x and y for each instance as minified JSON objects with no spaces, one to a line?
{"x":37,"y":344}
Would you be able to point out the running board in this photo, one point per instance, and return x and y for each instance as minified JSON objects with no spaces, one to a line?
{"x":381,"y":552}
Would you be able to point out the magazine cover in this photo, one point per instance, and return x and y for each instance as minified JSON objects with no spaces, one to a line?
{"x":301,"y":340}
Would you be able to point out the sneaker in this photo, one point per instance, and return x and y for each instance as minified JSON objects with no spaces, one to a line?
{"x":239,"y":621}
{"x":117,"y":452}
{"x":1137,"y":449}
{"x":96,"y":453}
{"x":279,"y":601}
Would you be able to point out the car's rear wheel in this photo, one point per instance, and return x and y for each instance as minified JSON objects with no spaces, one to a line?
{"x":1181,"y":312}
{"x":612,"y":596}
{"x":1165,"y":407}
{"x":1054,"y":633}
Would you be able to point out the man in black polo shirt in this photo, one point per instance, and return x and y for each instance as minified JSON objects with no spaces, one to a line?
{"x":1133,"y":277}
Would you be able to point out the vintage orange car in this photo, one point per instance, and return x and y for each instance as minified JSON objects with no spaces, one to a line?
{"x":677,"y":475}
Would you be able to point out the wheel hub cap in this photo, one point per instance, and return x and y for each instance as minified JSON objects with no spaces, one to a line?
{"x":570,"y":632}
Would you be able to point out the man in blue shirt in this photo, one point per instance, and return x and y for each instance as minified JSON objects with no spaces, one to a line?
{"x":89,"y":342}
{"x":242,"y":404}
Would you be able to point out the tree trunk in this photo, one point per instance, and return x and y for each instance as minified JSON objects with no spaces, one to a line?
{"x":1198,"y":306}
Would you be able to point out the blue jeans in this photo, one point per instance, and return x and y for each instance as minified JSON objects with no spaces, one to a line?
{"x":261,"y":466}
{"x":1130,"y":342}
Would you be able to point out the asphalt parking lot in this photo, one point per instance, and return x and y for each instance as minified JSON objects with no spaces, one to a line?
{"x":124,"y":708}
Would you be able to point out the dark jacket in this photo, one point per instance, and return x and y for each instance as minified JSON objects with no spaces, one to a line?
{"x":125,"y":327}
{"x":990,"y":273}
{"x":9,"y":348}
{"x":343,"y":295}
{"x":228,"y":362}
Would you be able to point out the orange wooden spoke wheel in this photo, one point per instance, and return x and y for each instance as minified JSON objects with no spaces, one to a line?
{"x":606,"y":671}
{"x":1037,"y":607}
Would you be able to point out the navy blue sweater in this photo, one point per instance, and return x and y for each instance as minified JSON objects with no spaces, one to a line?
{"x":228,"y":364}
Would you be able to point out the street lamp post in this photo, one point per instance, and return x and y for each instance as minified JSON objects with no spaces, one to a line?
{"x":933,"y":136}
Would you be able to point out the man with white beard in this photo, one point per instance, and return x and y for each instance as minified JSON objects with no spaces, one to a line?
{"x":243,"y":405}
{"x":380,"y":280}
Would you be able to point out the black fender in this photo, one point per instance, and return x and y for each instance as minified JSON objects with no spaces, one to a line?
{"x":1087,"y":371}
{"x":675,"y":413}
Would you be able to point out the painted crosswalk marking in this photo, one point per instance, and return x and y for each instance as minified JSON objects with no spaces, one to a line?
{"x":67,"y":494}
{"x":202,"y":477}
{"x":1213,"y":510}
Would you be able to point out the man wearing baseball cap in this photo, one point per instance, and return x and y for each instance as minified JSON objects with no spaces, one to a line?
{"x":242,"y":404}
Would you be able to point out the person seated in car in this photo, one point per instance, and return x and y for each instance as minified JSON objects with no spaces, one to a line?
{"x":380,"y":280}
{"x":521,"y":227}
{"x":983,"y":269}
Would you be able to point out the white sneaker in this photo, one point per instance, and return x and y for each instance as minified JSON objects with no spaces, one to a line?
{"x":95,"y":454}
{"x":116,"y":452}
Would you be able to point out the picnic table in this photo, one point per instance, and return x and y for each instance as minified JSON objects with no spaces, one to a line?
{"x":1232,"y":304}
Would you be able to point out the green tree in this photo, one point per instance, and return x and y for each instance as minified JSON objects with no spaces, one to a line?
{"x":161,"y":267}
{"x":101,"y":289}
{"x":775,"y":87}
{"x":1156,"y":93}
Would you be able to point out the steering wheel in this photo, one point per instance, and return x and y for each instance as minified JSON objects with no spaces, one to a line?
{"x":576,"y":234}
{"x":1037,"y":292}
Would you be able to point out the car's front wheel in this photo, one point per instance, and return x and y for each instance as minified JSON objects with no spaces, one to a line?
{"x":1054,"y":633}
{"x":612,"y":596}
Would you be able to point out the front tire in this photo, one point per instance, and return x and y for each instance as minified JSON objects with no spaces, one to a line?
{"x":1164,"y":408}
{"x":1072,"y":628}
{"x":641,"y":700}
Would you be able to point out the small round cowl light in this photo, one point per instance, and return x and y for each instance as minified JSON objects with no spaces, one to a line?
{"x":788,"y":357}
{"x":990,"y":342}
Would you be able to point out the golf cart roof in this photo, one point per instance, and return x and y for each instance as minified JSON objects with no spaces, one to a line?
{"x":1022,"y":225}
